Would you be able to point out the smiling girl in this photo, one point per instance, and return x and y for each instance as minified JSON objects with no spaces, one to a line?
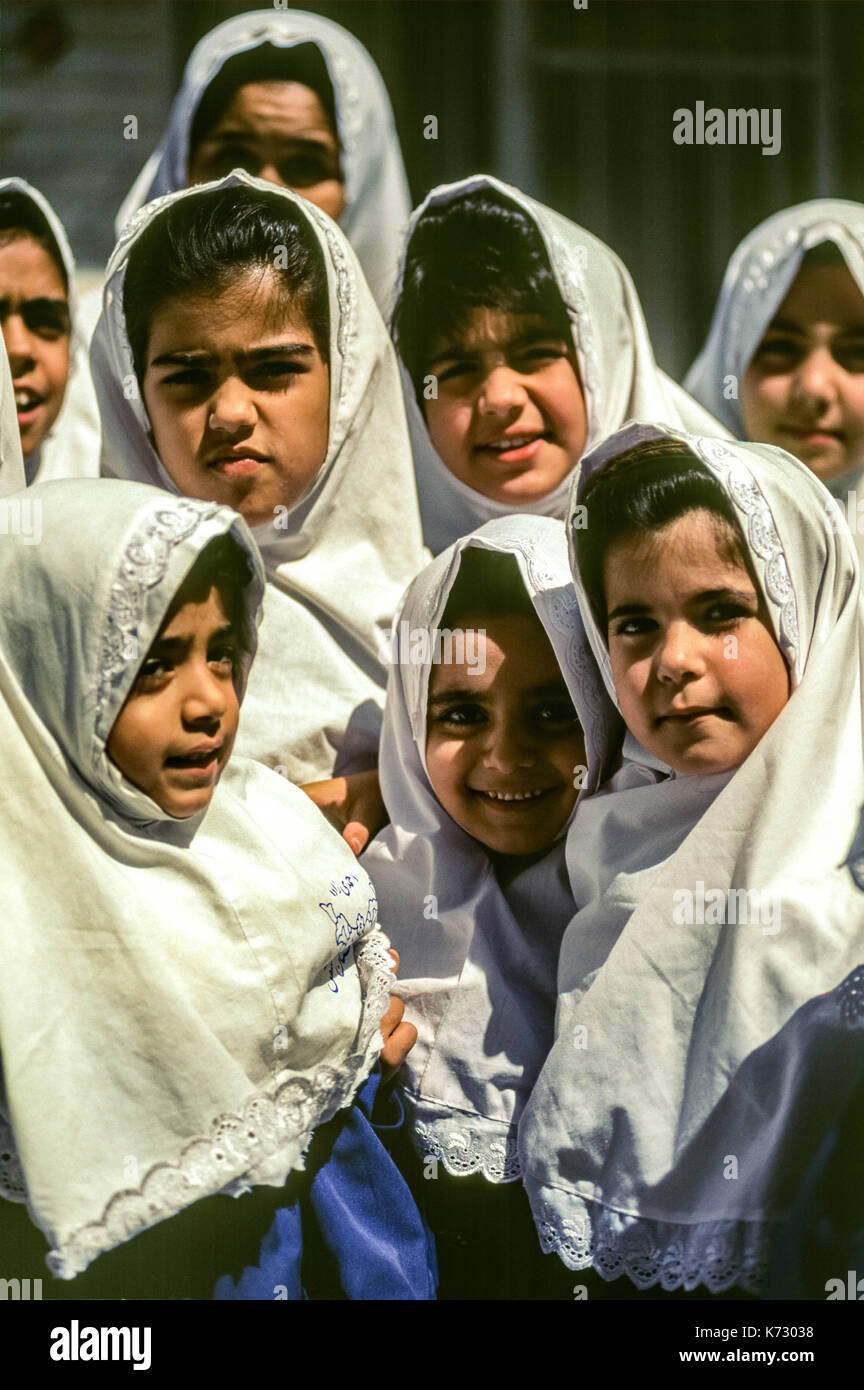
{"x":523,"y":342}
{"x":484,"y":753}
{"x":784,"y":359}
{"x":723,"y":609}
{"x":240,"y":359}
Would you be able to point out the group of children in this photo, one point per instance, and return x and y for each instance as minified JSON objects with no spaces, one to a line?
{"x":606,"y":748}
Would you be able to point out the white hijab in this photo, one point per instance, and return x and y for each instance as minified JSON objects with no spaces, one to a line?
{"x":758,"y":277}
{"x":477,"y":960}
{"x":620,"y":378}
{"x":11,"y":463}
{"x":376,"y":189}
{"x":339,"y":560}
{"x":180,"y":1001}
{"x":626,"y":1142}
{"x":71,"y":447}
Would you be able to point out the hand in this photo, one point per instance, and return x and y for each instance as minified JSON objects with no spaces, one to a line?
{"x":399,"y":1037}
{"x":352,"y":804}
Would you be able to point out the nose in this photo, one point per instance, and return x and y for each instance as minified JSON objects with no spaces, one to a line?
{"x":816,"y":377}
{"x":508,"y":748}
{"x":204,"y":696}
{"x":232,"y":408}
{"x":502,"y":392}
{"x":19,"y":345}
{"x":680,"y":654}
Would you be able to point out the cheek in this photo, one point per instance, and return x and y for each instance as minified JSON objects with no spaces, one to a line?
{"x":447,"y":423}
{"x":853,"y":399}
{"x":445,"y":764}
{"x":762,"y":398}
{"x":329,"y":197}
{"x":566,"y":406}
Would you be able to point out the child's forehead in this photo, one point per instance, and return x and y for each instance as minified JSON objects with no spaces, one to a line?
{"x":482,"y":327}
{"x":193,"y":611}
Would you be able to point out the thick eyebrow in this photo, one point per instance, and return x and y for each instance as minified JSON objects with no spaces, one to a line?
{"x":42,"y":301}
{"x":167,"y":646}
{"x":852,"y":330}
{"x":228,"y":137}
{"x":522,"y":340}
{"x":453,"y":695}
{"x":199,"y":358}
{"x":743,"y":596}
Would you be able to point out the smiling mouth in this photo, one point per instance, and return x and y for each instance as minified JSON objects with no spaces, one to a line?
{"x":27,"y":401}
{"x":513,"y":798}
{"x":516,"y":448}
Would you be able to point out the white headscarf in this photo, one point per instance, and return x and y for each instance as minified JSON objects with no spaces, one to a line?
{"x":477,"y":960}
{"x":620,"y":378}
{"x":11,"y":463}
{"x":340,"y":559}
{"x":180,"y":1004}
{"x":625,"y":1143}
{"x":376,"y":189}
{"x":71,"y":447}
{"x":758,"y":277}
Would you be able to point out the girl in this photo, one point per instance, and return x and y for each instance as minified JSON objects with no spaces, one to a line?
{"x":524,"y":343}
{"x":294,"y":99}
{"x":56,"y":406}
{"x":192,"y":979}
{"x":784,"y":359}
{"x":724,"y":612}
{"x":483,"y":755}
{"x":240,"y":358}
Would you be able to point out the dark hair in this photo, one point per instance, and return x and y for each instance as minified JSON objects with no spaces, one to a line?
{"x":20,"y":216}
{"x":478,"y":251}
{"x":202,"y":243}
{"x":643,"y":490}
{"x":305,"y":64}
{"x":224,"y":565}
{"x":488,"y":581}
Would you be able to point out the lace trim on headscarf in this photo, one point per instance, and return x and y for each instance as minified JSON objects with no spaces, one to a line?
{"x":145,"y":561}
{"x":277,"y":1124}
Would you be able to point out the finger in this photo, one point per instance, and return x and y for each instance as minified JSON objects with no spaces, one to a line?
{"x":396,"y":1049}
{"x":395,"y":956}
{"x":356,"y":836}
{"x":393,"y":1016}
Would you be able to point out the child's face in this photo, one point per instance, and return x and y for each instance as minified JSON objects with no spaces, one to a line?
{"x":34,"y":313}
{"x":698,"y":673}
{"x":238,"y":397}
{"x":174,"y":735}
{"x":280,"y":132}
{"x":804,"y":389}
{"x":509,"y":419}
{"x":502,"y":746}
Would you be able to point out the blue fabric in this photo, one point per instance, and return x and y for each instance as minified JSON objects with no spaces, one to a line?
{"x":355,"y":1232}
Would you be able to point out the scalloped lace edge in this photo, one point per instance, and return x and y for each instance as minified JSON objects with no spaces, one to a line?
{"x":719,"y":1254}
{"x":464,"y":1150}
{"x":273,"y":1124}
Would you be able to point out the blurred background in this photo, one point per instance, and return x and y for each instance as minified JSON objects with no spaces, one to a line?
{"x":572,"y":105}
